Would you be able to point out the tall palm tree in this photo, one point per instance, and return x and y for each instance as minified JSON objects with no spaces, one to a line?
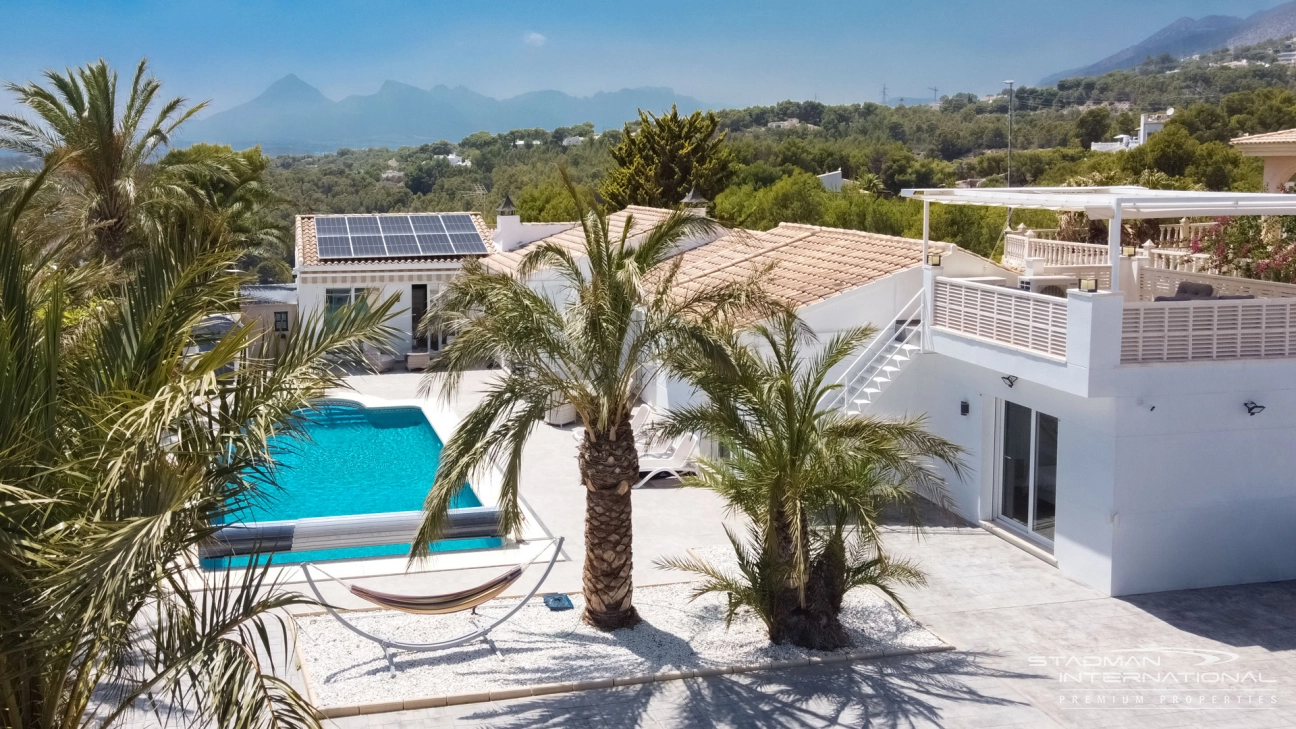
{"x":811,"y":481}
{"x":121,"y":451}
{"x":594,"y":346}
{"x":78,"y":111}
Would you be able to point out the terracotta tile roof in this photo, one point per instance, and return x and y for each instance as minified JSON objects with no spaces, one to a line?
{"x":308,"y":250}
{"x":1285,"y":136}
{"x":808,"y":263}
{"x":573,"y":239}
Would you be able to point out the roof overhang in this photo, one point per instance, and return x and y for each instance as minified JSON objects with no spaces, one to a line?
{"x":1266,"y":149}
{"x":1100,"y":203}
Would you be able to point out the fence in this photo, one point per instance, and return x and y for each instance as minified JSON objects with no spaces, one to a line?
{"x":1187,"y":331}
{"x":1154,"y":281}
{"x":1017,"y":318}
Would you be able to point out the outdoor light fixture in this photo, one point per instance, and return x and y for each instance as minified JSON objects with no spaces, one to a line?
{"x":1128,"y":251}
{"x":1089,"y":284}
{"x":1009,"y":380}
{"x":933,"y":259}
{"x":1253,"y":408}
{"x":963,"y":408}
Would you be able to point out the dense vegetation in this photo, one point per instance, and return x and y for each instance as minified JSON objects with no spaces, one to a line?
{"x":129,"y":432}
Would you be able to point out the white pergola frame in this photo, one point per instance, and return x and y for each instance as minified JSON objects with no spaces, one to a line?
{"x":1107,"y":203}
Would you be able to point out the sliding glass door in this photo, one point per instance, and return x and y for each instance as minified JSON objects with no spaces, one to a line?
{"x":1028,"y":470}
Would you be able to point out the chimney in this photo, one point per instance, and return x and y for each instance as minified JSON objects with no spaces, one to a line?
{"x":694,"y":203}
{"x":508,"y":225}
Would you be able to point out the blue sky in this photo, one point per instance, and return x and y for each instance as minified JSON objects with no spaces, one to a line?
{"x":729,"y":53}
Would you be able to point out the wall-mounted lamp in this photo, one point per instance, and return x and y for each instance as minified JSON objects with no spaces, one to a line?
{"x":964,"y":408}
{"x":1089,"y":284}
{"x":1129,"y":251}
{"x":933,"y":259}
{"x":1009,"y":380}
{"x":1252,"y":408}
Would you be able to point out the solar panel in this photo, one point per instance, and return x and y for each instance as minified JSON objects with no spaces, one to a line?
{"x":390,"y":236}
{"x":467,"y":243}
{"x":334,"y":246}
{"x":459,"y":224}
{"x":402,"y":245}
{"x":435,"y":244}
{"x":368,"y":246}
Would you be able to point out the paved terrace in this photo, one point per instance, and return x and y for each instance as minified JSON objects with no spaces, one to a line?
{"x":998,"y":605}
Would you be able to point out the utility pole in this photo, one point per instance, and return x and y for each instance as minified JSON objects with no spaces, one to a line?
{"x":1010,"y":130}
{"x":883,"y":94}
{"x":935,"y":94}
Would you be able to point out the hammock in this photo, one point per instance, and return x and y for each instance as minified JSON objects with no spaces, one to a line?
{"x":444,"y":604}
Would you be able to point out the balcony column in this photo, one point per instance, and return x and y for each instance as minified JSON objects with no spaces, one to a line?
{"x":929,"y":279}
{"x":1114,"y":245}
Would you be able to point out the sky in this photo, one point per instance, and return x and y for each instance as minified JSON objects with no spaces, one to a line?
{"x":726,"y":53}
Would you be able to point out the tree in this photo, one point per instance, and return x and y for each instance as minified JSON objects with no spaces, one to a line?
{"x":594,"y":347}
{"x":810,"y":481}
{"x":659,"y":163}
{"x":1092,"y":125}
{"x":1170,"y":151}
{"x":121,"y":452}
{"x":108,"y":175}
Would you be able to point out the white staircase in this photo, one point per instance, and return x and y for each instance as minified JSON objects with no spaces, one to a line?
{"x":881,"y":361}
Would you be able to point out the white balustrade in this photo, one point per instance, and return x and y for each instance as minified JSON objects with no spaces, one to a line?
{"x":1023,"y":245}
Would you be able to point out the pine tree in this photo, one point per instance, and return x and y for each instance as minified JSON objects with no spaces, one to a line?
{"x":659,"y":162}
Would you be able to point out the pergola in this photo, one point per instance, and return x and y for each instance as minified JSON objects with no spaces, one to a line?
{"x":1108,"y":203}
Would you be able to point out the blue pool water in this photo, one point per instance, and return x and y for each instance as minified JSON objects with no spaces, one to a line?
{"x":355,"y":460}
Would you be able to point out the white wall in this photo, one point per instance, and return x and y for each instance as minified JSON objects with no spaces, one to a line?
{"x":1206,"y":494}
{"x":934,"y":385}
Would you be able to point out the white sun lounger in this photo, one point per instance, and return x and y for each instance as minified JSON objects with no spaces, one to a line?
{"x":679,"y":461}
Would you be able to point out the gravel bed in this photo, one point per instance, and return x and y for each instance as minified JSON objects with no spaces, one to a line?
{"x":539,"y":646}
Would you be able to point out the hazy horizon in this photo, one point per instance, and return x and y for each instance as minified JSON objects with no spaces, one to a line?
{"x":725,"y":53}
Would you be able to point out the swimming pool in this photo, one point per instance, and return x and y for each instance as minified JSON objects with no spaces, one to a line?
{"x":351,"y":460}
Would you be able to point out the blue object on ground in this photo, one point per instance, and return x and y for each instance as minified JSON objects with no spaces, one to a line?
{"x":558,"y":601}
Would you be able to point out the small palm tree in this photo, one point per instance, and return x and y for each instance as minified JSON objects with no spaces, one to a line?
{"x":109,"y":174}
{"x":870,"y":183}
{"x":811,"y":482}
{"x":594,"y":346}
{"x":121,"y":453}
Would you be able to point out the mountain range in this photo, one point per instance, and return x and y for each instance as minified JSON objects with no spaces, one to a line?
{"x":1187,"y":36}
{"x":291,"y":116}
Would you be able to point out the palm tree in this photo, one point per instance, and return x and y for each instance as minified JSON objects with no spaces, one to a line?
{"x":870,"y":183}
{"x":811,"y":482}
{"x":109,"y":176}
{"x":594,"y":347}
{"x":121,"y":451}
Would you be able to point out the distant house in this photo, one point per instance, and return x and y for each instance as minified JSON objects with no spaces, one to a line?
{"x":272,"y":306}
{"x":790,"y":123}
{"x":1149,"y":124}
{"x":573,"y":141}
{"x":1287,"y":58}
{"x":393,"y":177}
{"x":454,"y":160}
{"x":832,"y":181}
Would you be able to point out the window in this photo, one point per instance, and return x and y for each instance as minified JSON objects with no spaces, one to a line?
{"x":335,"y":299}
{"x":281,"y":321}
{"x":1028,"y":470}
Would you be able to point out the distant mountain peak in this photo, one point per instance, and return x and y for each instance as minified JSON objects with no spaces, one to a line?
{"x":1187,"y":36}
{"x":293,"y":116}
{"x":292,"y":88}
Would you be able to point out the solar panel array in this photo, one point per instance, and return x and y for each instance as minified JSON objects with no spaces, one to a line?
{"x":397,"y":236}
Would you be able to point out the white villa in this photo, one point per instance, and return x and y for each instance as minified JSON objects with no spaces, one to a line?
{"x":1125,"y":410}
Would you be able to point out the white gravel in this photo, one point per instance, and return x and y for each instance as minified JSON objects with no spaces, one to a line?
{"x":539,"y":646}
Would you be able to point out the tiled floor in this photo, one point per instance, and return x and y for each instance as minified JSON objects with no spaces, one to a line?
{"x":1001,"y":608}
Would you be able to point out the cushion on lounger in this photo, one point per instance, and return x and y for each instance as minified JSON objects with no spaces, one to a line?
{"x":1193,"y":290}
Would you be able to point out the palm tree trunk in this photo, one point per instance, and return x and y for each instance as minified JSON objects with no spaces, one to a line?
{"x":609,"y":466}
{"x":814,"y":622}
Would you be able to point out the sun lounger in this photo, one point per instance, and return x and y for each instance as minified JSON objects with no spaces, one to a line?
{"x":679,"y":461}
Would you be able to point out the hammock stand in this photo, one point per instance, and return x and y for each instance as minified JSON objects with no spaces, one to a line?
{"x":435,"y":605}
